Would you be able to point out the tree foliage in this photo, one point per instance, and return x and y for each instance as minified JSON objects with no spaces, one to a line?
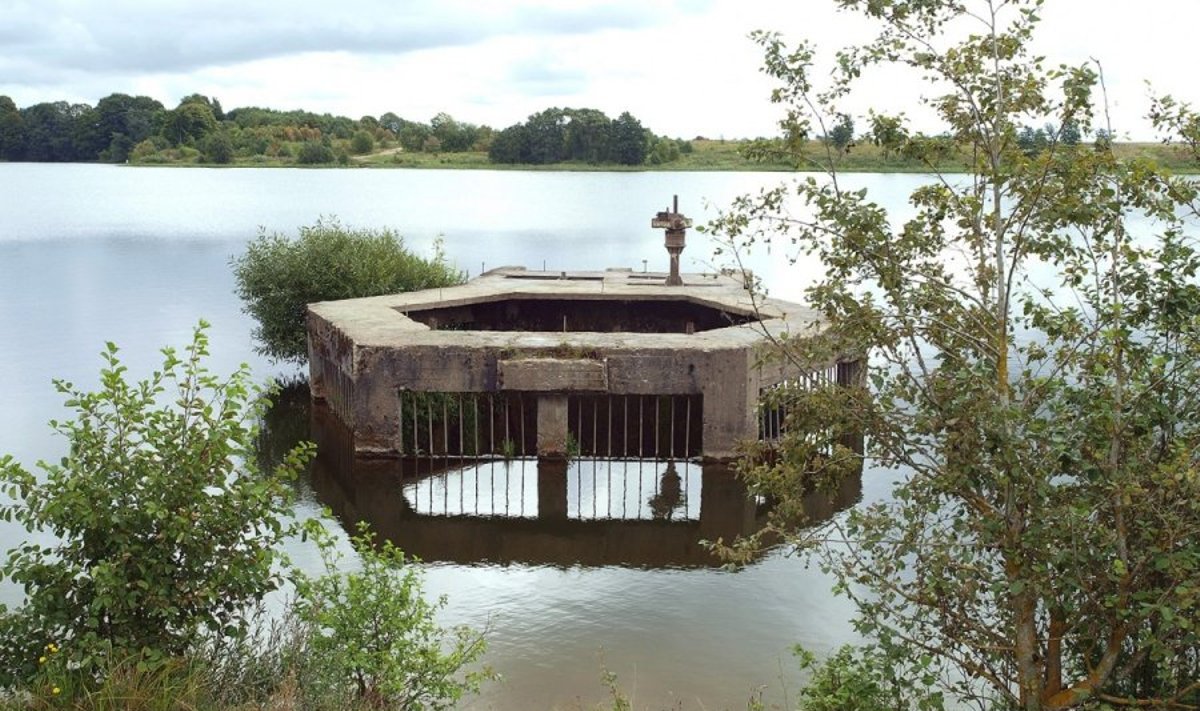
{"x":842,"y":133}
{"x":277,"y":277}
{"x":159,"y":526}
{"x":314,"y":153}
{"x":1034,"y":330}
{"x":587,"y":135}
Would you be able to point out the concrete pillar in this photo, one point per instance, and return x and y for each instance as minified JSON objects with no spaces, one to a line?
{"x":730,"y":401}
{"x":552,"y":425}
{"x":552,"y":489}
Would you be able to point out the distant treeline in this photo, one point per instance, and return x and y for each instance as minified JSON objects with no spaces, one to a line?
{"x":584,"y":135}
{"x":140,"y":129}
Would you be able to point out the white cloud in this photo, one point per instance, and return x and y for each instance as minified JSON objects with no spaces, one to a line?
{"x":684,"y":68}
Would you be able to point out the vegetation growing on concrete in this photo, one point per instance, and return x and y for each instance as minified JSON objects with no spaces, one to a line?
{"x":278,"y":276}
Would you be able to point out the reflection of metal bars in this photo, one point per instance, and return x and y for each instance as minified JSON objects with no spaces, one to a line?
{"x":631,"y":489}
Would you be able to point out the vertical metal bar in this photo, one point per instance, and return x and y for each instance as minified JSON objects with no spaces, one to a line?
{"x":462,"y":441}
{"x":579,"y":433}
{"x":641,"y":426}
{"x":672,"y":455}
{"x":415,"y":417}
{"x":446,"y":428}
{"x":400,"y":423}
{"x":657,"y":425}
{"x":507,"y":438}
{"x":595,"y":426}
{"x":687,"y":433}
{"x":491,"y":424}
{"x":475,"y":410}
{"x":429,"y":414}
{"x":521,"y":399}
{"x":594,"y":487}
{"x":625,"y":426}
{"x":608,"y":402}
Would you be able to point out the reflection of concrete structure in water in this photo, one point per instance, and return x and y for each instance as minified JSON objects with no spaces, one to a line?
{"x":528,"y":363}
{"x":543,"y":511}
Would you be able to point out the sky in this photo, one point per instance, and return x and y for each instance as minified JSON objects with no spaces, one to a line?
{"x":685,"y":68}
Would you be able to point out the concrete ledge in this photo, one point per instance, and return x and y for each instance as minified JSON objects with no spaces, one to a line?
{"x":553,"y":375}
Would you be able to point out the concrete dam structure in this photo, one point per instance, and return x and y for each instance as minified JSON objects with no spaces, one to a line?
{"x":554,"y":364}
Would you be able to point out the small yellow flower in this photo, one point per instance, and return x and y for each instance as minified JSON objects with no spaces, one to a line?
{"x":41,"y":660}
{"x":52,"y":647}
{"x":56,"y":691}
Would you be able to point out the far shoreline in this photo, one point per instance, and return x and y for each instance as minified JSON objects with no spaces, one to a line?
{"x":708,"y":155}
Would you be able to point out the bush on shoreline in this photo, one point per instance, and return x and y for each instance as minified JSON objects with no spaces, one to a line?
{"x":164,"y":538}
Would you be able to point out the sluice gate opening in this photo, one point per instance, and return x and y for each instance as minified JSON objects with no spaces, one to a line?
{"x":505,"y":424}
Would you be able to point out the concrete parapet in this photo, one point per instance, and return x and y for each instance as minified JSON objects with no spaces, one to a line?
{"x":554,"y":334}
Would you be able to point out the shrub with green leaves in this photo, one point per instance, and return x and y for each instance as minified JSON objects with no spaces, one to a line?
{"x":863,"y":679}
{"x":372,"y":637}
{"x":277,"y":277}
{"x":161,"y":529}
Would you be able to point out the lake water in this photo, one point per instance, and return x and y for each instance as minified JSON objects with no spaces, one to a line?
{"x":93,"y":253}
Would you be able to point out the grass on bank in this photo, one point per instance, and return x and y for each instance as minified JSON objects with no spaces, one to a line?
{"x":707,"y":155}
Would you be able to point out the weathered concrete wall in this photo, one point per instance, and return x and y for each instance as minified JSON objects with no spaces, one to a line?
{"x":363,"y":352}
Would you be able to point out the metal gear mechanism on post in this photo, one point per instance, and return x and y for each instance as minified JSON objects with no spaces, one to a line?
{"x":676,"y":226}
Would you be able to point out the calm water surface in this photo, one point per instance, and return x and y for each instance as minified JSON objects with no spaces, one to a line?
{"x":137,"y":256}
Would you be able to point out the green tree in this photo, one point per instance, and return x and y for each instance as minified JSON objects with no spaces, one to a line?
{"x":1069,"y":134}
{"x":49,"y":130}
{"x":886,"y":132}
{"x":161,"y":528}
{"x":373,"y":638}
{"x":118,"y":123}
{"x":842,"y":133}
{"x":546,"y":137}
{"x":190,"y":122}
{"x":212,"y":104}
{"x":510,"y":145}
{"x":392,"y":122}
{"x":278,"y":277}
{"x":588,"y":135}
{"x":218,"y":147}
{"x":454,"y":136}
{"x":12,"y":138}
{"x":1035,"y":340}
{"x":314,"y":153}
{"x":628,"y":144}
{"x":413,"y":136}
{"x":362,"y":143}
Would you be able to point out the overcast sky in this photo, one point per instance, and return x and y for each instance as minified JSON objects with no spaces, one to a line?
{"x":684,"y":67}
